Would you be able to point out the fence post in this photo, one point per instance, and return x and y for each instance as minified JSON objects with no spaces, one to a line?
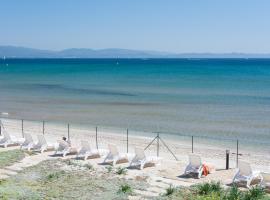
{"x":43,"y":127}
{"x":157,"y":144}
{"x":192,"y":144}
{"x":0,"y":128}
{"x":22,"y":129}
{"x":68,"y":133}
{"x":237,"y":152}
{"x":127,"y":140}
{"x":227,"y":159}
{"x":97,"y":137}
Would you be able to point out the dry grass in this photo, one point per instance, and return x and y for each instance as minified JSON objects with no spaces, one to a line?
{"x":58,"y":179}
{"x":10,"y":157}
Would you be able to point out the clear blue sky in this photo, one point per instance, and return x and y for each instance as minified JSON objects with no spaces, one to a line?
{"x":164,"y":25}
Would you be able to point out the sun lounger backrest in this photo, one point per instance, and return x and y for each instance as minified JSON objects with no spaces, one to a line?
{"x":139,"y":153}
{"x":245,"y":168}
{"x":6,"y":135}
{"x":85,"y":145}
{"x":28,"y":137}
{"x":41,"y":140}
{"x":195,"y":160}
{"x":62,"y":144}
{"x":113,"y":149}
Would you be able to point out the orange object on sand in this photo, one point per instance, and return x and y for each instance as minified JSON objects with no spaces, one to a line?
{"x":205,"y":170}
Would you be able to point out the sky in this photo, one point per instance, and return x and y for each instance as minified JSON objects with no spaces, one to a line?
{"x":216,"y":26}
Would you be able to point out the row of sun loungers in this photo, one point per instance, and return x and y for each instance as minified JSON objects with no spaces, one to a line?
{"x":112,"y":155}
{"x":41,"y":145}
{"x":63,"y":148}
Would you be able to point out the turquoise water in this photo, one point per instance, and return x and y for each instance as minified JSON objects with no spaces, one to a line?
{"x":210,"y":97}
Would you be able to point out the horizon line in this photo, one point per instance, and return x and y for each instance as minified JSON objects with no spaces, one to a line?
{"x":146,"y":51}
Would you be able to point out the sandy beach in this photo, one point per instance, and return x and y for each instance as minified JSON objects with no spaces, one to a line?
{"x":169,"y":171}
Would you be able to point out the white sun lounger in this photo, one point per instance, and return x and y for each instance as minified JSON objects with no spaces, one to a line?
{"x":28,"y":142}
{"x":194,"y":166}
{"x":245,"y":173}
{"x":64,"y":148}
{"x":42,"y":144}
{"x":114,"y":156}
{"x":86,"y":151}
{"x":265,"y":182}
{"x":141,"y":159}
{"x":8,"y":140}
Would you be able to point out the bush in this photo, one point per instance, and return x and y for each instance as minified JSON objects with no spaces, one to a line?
{"x":54,"y":175}
{"x":233,"y":193}
{"x":254,"y":193}
{"x":125,"y":189}
{"x":208,"y":188}
{"x":213,"y":191}
{"x":212,"y":196}
{"x":109,"y":169}
{"x":121,"y":171}
{"x":170,"y":190}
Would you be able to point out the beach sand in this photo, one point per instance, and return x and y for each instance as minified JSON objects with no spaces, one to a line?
{"x":169,"y":171}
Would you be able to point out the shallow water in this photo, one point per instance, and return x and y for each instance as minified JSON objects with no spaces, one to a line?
{"x":208,"y":97}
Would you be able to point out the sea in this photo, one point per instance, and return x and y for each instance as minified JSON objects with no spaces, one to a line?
{"x":219,"y":98}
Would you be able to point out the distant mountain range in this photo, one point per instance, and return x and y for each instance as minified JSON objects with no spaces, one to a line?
{"x":23,"y":52}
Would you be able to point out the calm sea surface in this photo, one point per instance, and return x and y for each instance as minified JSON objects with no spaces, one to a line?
{"x":210,"y":97}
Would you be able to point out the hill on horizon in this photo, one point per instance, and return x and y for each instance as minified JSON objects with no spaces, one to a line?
{"x":24,"y":52}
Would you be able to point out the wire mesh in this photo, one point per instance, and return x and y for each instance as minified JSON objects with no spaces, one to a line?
{"x":167,"y":145}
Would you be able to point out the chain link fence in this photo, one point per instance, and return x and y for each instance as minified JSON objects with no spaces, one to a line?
{"x":171,"y":146}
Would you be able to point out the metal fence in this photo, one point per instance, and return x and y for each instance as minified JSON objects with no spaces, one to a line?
{"x":162,"y":144}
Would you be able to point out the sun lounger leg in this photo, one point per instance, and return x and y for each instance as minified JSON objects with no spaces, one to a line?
{"x":114,"y":161}
{"x":200,"y":174}
{"x":42,"y":149}
{"x":106,"y":158}
{"x":86,"y":156}
{"x":142,"y":165}
{"x":249,"y":182}
{"x":65,"y":153}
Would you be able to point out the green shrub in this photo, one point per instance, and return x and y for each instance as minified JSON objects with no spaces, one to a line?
{"x":255,"y":193}
{"x":121,"y":171}
{"x":212,"y":196}
{"x":208,"y":188}
{"x":54,"y":175}
{"x":214,"y":191}
{"x":109,"y":169}
{"x":233,"y":193}
{"x":125,"y":189}
{"x":170,"y":190}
